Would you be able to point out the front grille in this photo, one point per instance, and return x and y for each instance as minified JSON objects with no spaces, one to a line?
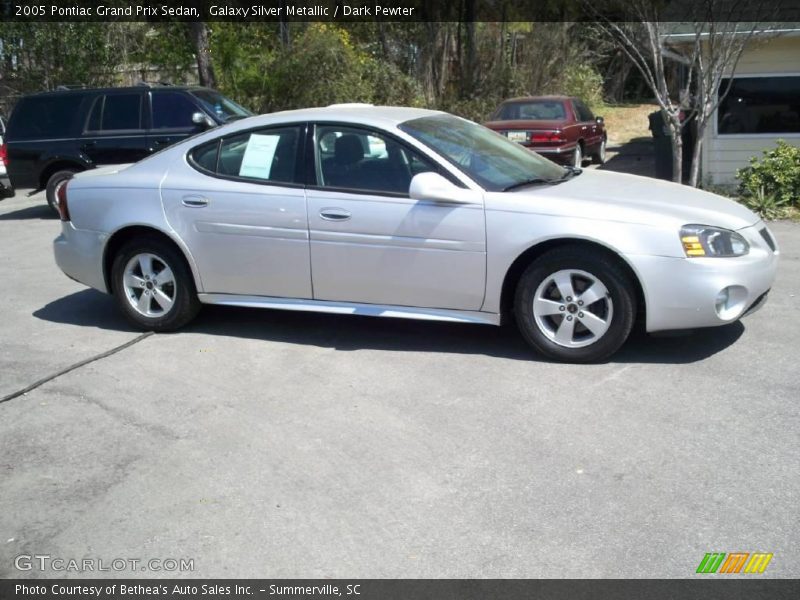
{"x":767,"y":238}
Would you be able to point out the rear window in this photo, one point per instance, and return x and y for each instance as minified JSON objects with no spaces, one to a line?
{"x":536,"y":110}
{"x":44,"y":117}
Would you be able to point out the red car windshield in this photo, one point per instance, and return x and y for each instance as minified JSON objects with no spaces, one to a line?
{"x":531,"y":110}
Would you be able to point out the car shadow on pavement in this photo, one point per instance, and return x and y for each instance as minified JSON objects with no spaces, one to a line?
{"x":29,"y":212}
{"x":89,"y":308}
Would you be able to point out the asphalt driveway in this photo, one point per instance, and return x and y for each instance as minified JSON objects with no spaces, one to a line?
{"x":270,"y":444}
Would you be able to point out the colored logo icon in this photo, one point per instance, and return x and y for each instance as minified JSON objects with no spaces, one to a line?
{"x":734,"y":562}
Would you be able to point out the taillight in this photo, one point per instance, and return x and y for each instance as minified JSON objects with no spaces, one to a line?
{"x":61,"y":201}
{"x":550,"y":136}
{"x":4,"y":155}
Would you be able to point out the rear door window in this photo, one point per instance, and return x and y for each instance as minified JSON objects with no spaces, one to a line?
{"x":268,"y":155}
{"x":116,"y":112}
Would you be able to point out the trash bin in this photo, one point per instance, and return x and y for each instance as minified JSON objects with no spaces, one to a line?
{"x":662,"y":142}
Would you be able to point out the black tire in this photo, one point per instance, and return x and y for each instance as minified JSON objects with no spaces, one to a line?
{"x":620,"y":312}
{"x":599,"y":157}
{"x":185,"y":305}
{"x":55,"y":179}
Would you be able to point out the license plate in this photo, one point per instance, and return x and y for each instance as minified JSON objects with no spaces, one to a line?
{"x":518,"y":136}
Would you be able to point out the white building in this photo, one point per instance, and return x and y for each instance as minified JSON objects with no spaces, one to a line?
{"x":762,"y":106}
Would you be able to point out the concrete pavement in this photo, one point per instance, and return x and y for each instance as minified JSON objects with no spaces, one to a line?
{"x":271,"y":444}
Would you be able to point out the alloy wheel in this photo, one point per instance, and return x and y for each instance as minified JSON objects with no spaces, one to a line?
{"x":149,"y":285}
{"x":572,"y":308}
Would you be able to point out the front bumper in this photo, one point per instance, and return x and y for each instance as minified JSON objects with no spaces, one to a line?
{"x":79,"y":254}
{"x":681,"y":293}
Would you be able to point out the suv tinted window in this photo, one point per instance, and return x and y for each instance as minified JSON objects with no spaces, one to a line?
{"x":122,"y":111}
{"x":44,"y":117}
{"x":116,"y":112}
{"x":172,"y":110}
{"x":358,"y":159}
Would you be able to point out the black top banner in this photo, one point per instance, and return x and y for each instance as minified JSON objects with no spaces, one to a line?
{"x":779,"y":11}
{"x":737,"y":588}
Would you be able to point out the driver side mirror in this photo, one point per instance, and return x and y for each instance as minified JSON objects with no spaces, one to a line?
{"x":600,"y":120}
{"x":202,"y":120}
{"x":435,"y":188}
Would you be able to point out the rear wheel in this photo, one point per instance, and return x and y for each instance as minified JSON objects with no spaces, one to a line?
{"x":577,"y":156}
{"x":600,"y":156}
{"x":56,"y":181}
{"x":153,"y":285}
{"x":575,"y":305}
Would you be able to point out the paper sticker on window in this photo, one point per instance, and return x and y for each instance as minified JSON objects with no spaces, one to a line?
{"x":257,"y":160}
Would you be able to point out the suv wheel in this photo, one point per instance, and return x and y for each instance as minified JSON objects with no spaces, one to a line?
{"x":575,"y":306}
{"x":56,"y":180}
{"x":153,"y":285}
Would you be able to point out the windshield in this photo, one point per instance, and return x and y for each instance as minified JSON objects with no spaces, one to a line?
{"x":537,"y":110}
{"x":485,"y":156}
{"x":224,"y":108}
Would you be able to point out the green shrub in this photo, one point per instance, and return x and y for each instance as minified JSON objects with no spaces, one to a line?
{"x":767,"y":206}
{"x":773,"y":178}
{"x":586,"y":83}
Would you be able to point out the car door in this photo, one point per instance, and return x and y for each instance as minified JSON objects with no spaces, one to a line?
{"x":170,"y":119}
{"x":371,"y":243}
{"x":237,"y":204}
{"x":114,"y":132}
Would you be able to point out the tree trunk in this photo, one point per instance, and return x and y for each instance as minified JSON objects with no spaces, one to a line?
{"x":694,"y":173}
{"x":198,"y":31}
{"x":677,"y":148}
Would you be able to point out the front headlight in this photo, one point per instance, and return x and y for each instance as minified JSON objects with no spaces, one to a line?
{"x":703,"y":240}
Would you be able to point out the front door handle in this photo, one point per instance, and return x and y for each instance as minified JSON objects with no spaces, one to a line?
{"x":334,"y":214}
{"x":194,"y":201}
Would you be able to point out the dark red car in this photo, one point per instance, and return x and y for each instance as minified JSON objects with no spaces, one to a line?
{"x":561,"y":128}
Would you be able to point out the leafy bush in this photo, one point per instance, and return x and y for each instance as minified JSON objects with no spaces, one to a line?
{"x":774,"y":178}
{"x":767,"y":206}
{"x":584,"y":82}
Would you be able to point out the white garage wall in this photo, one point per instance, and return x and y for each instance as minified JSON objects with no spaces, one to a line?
{"x":722,"y":155}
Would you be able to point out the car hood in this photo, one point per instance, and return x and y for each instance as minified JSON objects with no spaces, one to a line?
{"x":526,"y":124}
{"x":611,"y":196}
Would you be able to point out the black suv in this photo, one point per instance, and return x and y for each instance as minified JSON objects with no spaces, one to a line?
{"x":52,"y":135}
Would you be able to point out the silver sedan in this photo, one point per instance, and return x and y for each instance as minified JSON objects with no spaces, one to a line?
{"x":410,"y":213}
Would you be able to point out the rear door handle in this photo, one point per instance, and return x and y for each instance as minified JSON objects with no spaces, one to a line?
{"x":334,"y":214}
{"x":194,"y":201}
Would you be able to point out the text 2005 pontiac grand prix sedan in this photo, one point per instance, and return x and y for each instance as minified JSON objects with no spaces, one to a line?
{"x":402,"y":212}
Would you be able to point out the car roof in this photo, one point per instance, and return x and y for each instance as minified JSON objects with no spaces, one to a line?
{"x":530,"y":98}
{"x":128,"y":88}
{"x":363,"y":114}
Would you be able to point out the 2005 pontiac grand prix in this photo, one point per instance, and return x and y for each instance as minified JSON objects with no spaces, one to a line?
{"x":401,"y":212}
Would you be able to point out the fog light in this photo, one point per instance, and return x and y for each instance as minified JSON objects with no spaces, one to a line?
{"x":730,"y":302}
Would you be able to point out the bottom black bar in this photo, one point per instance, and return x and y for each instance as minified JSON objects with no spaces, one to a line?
{"x":717,"y":588}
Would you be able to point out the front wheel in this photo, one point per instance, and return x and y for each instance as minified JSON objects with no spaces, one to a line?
{"x":575,"y":305}
{"x":153,"y":285}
